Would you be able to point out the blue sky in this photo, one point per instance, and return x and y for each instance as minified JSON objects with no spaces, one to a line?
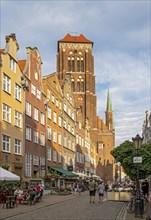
{"x":121,"y":32}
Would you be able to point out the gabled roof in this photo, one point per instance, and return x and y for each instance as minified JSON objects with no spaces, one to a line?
{"x":75,"y":39}
{"x":22,"y":64}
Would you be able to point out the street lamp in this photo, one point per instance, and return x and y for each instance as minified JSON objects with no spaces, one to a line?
{"x":137,"y":160}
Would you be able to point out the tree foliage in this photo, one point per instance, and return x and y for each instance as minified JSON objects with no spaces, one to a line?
{"x":124,"y":154}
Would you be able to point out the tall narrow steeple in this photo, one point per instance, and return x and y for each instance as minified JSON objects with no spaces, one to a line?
{"x":109,"y":112}
{"x":109,"y":103}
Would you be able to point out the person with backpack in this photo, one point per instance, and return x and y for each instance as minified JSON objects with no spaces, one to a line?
{"x":92,"y":190}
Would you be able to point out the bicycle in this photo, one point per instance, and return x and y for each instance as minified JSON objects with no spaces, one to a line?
{"x":131,"y":204}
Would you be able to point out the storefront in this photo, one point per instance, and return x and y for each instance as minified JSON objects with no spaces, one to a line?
{"x":58,"y":177}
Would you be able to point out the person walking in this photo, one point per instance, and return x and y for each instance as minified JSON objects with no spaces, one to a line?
{"x":92,"y":190}
{"x":101,"y":190}
{"x":79,"y":188}
{"x":75,"y":187}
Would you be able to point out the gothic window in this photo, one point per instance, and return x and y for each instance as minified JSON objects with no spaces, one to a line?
{"x":72,"y":65}
{"x":82,"y":86}
{"x":73,"y":87}
{"x":82,"y":65}
{"x":69,"y":65}
{"x":78,"y":86}
{"x":78,"y":65}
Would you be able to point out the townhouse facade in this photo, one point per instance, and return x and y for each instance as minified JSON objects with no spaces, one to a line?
{"x":69,"y":123}
{"x":53,"y":103}
{"x":35,"y":114}
{"x":80,"y":145}
{"x":12,"y":141}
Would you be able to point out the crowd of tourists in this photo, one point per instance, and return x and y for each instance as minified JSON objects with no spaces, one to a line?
{"x":20,"y":195}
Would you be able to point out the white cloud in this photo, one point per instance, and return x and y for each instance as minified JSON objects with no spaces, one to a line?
{"x":130,"y":89}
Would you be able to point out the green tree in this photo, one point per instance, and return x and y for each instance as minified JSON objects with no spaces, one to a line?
{"x":124,"y":154}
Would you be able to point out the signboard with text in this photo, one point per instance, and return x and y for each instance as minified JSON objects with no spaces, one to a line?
{"x":137,"y":159}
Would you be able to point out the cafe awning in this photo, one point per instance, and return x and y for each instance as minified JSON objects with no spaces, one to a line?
{"x":80,"y":174}
{"x":64,"y":172}
{"x":7,"y":175}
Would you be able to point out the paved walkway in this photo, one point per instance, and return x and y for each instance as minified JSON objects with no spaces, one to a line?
{"x":131,"y":216}
{"x":48,"y":200}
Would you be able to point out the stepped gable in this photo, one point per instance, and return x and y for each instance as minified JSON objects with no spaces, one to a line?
{"x":75,"y":39}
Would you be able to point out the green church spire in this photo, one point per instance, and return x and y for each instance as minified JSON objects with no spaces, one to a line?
{"x":109,"y":103}
{"x":109,"y":112}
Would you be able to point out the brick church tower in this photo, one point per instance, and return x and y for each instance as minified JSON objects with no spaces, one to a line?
{"x":75,"y":56}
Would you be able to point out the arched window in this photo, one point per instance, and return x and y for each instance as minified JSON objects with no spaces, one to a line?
{"x":82,"y":86}
{"x":72,"y":65}
{"x":69,"y":65}
{"x":78,"y":65}
{"x":82,"y":65}
{"x":78,"y":86}
{"x":73,"y":87}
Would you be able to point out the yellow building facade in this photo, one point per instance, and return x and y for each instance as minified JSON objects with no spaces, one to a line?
{"x":11,"y":108}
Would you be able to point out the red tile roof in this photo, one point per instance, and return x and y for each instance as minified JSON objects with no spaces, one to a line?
{"x":1,"y":50}
{"x":75,"y":39}
{"x":22,"y":64}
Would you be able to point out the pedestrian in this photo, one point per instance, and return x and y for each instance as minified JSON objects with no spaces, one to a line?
{"x":79,"y":188}
{"x":145,"y":188}
{"x":92,"y":190}
{"x":75,"y":187}
{"x":101,"y":190}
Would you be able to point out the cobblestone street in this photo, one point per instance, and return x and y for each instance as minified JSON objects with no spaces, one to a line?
{"x":71,"y":207}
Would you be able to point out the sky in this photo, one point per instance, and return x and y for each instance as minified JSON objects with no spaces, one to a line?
{"x":121,"y":32}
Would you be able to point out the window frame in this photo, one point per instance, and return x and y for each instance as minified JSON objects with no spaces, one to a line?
{"x":17,"y":146}
{"x":6,"y":83}
{"x":7,"y":143}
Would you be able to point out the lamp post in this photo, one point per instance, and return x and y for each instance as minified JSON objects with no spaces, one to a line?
{"x":137,"y":160}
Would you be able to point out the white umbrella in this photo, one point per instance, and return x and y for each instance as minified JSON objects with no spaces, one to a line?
{"x":7,"y":175}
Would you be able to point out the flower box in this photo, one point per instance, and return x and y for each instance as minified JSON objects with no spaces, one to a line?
{"x":119,"y":196}
{"x":113,"y":196}
{"x":125,"y":196}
